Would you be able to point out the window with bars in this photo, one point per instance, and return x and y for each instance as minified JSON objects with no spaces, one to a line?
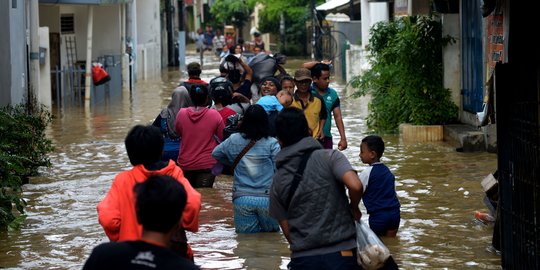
{"x":67,"y":24}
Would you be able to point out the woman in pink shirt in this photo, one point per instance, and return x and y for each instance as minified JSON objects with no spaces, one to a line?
{"x":200,"y":129}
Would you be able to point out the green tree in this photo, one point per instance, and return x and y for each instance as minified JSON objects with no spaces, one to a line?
{"x":296,"y":14}
{"x":233,"y":12}
{"x":23,"y":149}
{"x":406,"y":76}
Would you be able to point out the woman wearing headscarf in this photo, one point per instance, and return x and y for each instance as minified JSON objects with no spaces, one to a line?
{"x":166,"y":119}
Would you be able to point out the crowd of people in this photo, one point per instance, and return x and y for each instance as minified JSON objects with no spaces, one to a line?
{"x":224,"y":44}
{"x":274,"y":137}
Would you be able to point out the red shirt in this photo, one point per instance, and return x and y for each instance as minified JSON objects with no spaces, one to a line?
{"x":225,"y":112}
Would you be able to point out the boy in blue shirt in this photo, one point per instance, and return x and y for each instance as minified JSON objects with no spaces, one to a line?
{"x":380,"y":197}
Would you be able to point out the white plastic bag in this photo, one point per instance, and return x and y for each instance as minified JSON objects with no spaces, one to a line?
{"x":372,"y":253}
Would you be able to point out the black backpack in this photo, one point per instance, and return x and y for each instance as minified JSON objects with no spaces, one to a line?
{"x":232,"y":124}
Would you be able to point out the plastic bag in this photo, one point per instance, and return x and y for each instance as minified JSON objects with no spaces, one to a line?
{"x":99,"y":75}
{"x":372,"y":253}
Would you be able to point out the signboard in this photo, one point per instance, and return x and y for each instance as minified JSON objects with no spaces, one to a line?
{"x":495,"y":41}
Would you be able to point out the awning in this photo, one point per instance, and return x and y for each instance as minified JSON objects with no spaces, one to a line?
{"x":332,"y":4}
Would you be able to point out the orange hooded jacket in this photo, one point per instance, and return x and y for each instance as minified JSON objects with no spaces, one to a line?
{"x":116,"y":212}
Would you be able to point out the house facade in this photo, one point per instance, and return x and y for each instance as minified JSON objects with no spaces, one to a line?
{"x":66,"y":36}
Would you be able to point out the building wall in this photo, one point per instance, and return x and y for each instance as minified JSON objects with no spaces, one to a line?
{"x":13,"y":79}
{"x":106,"y":28}
{"x":45,"y":95}
{"x":49,"y":15}
{"x":452,"y":58}
{"x":148,"y":39}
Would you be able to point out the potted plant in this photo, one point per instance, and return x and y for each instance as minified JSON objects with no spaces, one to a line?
{"x":406,"y":76}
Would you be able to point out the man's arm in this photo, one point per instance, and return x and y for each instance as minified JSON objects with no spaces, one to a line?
{"x":284,"y":224}
{"x":311,"y":64}
{"x":342,"y":145}
{"x":320,"y":132}
{"x":247,"y":69}
{"x":356,"y":190}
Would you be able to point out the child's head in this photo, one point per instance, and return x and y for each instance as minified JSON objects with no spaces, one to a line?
{"x":371,"y":149}
{"x":199,"y":94}
{"x":285,"y":98}
{"x":144,"y":144}
{"x":287,"y":83}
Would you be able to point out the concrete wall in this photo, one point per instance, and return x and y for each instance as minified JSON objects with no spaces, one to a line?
{"x":372,"y":13}
{"x":106,"y":36}
{"x":44,"y":94}
{"x":49,"y":15}
{"x":13,"y":78}
{"x":148,"y":40}
{"x":353,"y":36}
{"x":452,"y":58}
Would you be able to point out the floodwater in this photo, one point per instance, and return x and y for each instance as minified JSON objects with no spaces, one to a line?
{"x":439,"y":190}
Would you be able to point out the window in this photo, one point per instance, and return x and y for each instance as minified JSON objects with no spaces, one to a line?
{"x":67,"y":24}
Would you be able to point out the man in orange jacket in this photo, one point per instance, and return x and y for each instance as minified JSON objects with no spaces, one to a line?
{"x":116,"y":212}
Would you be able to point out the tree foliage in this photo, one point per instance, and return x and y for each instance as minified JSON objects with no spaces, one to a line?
{"x":23,"y":149}
{"x":406,"y":75}
{"x":296,"y":14}
{"x":235,"y":12}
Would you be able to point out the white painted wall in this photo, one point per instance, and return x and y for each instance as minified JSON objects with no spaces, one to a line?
{"x":106,"y":36}
{"x":106,"y":30}
{"x":452,"y":58}
{"x":44,"y":94}
{"x":148,"y":40}
{"x":371,"y":13}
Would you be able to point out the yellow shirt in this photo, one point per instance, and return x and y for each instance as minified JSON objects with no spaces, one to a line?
{"x":314,"y":111}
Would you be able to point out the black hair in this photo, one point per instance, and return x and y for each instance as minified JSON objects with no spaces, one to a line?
{"x":291,"y":126}
{"x":317,"y":69}
{"x":285,"y":78}
{"x":255,"y":123}
{"x":234,"y":75}
{"x":194,"y":69}
{"x":374,"y":143}
{"x":223,"y":69}
{"x":232,"y":48}
{"x":199,"y":94}
{"x":144,"y":145}
{"x":159,"y":203}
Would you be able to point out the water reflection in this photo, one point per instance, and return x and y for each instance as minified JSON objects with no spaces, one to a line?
{"x":439,"y":190}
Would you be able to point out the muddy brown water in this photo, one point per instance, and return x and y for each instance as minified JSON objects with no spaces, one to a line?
{"x":439,"y":190}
